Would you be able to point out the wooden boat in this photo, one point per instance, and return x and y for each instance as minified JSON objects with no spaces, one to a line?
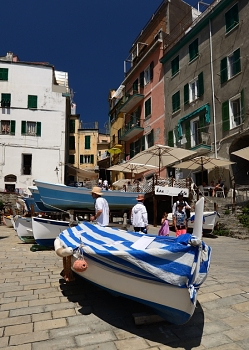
{"x":210,"y":219}
{"x":164,"y":273}
{"x":66,"y":197}
{"x":36,"y":198}
{"x":24,"y":229}
{"x":45,"y":230}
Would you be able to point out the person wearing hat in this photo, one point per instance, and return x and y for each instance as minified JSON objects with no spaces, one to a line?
{"x":186,"y":206}
{"x":139,"y":215}
{"x":101,"y":208}
{"x":180,"y":220}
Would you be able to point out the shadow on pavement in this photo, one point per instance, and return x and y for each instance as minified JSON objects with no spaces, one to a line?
{"x":117,"y":312}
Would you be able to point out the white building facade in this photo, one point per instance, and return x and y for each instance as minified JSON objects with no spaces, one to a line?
{"x":35,"y":104}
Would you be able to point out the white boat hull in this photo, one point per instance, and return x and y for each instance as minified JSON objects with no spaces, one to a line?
{"x":210,"y":220}
{"x":159,"y":296}
{"x":46,"y":230}
{"x":24,"y":229}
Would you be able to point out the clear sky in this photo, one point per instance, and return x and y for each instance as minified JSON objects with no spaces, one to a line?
{"x":88,"y":39}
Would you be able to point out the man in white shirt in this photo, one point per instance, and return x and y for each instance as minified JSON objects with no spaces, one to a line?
{"x":101,"y":208}
{"x":139,"y":215}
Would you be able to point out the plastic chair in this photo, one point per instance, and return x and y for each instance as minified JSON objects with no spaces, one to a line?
{"x":219,"y":192}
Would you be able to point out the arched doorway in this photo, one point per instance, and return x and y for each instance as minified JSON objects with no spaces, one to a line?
{"x":9,"y":179}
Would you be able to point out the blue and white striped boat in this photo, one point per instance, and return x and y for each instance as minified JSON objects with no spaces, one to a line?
{"x":165,"y":275}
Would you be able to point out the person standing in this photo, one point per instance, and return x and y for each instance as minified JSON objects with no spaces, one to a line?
{"x":180,"y":220}
{"x":186,"y":206}
{"x":139,"y":215}
{"x":101,"y":208}
{"x":164,"y":229}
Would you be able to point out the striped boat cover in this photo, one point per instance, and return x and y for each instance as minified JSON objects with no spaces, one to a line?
{"x":167,"y":259}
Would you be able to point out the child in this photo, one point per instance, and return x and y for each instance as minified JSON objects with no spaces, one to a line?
{"x":164,"y":229}
{"x":180,"y":220}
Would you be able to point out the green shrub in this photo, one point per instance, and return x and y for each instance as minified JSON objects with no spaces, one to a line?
{"x":221,"y":230}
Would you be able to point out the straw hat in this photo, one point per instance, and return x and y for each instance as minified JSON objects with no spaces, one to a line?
{"x":97,"y":190}
{"x":140,"y":197}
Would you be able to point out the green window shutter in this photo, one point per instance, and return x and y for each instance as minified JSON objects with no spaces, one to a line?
{"x":223,"y":70}
{"x":176,"y":102}
{"x":143,"y":143}
{"x":72,"y":126}
{"x":242,"y":99}
{"x":72,"y":143}
{"x":92,"y":159}
{"x":186,"y":94}
{"x":88,"y":142}
{"x":12,"y":127}
{"x":32,"y":101}
{"x":5,"y":100}
{"x":132,"y":151}
{"x":175,"y":66}
{"x":4,"y":74}
{"x":188,"y":134}
{"x":171,"y":138}
{"x":23,"y":130}
{"x":138,"y":114}
{"x":151,"y":138}
{"x":38,"y":129}
{"x":147,"y":107}
{"x":141,"y":78}
{"x":202,"y":122}
{"x":237,"y":66}
{"x":225,"y":116}
{"x":193,"y":50}
{"x":151,"y":70}
{"x":200,"y":85}
{"x":135,"y":86}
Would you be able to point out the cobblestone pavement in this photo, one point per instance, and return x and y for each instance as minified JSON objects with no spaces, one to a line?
{"x":39,"y":310}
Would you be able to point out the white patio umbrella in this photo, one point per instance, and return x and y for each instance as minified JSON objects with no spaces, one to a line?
{"x":161,"y":156}
{"x":132,"y":168}
{"x":120,"y":183}
{"x":242,"y":153}
{"x":203,"y":163}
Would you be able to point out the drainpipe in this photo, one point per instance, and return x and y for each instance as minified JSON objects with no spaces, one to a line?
{"x":212,"y":87}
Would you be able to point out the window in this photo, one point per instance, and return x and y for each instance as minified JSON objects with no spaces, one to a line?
{"x":137,"y":146}
{"x":135,"y":87}
{"x":5,"y":100}
{"x":233,"y":112}
{"x":31,"y":128}
{"x":87,"y":159}
{"x":147,"y":106}
{"x":194,"y":89}
{"x":4,"y":74}
{"x":72,"y":126}
{"x":72,"y":143}
{"x":149,"y":139}
{"x":32,"y":101}
{"x":232,"y":18}
{"x":230,"y":66}
{"x":88,"y":142}
{"x":71,"y":159}
{"x":7,"y":127}
{"x":176,"y":102}
{"x":148,"y":73}
{"x":175,"y":66}
{"x":26,"y":164}
{"x":193,"y":50}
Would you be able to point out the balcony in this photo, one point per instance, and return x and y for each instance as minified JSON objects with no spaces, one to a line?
{"x":204,"y":145}
{"x":131,"y":102}
{"x":132,"y":128}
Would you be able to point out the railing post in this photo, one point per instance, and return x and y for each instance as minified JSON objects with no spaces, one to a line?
{"x":234,"y":198}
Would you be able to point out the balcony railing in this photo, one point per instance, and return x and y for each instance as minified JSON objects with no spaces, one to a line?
{"x":132,"y":128}
{"x":131,"y":101}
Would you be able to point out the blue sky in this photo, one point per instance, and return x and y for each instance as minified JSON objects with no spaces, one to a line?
{"x":88,"y":39}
